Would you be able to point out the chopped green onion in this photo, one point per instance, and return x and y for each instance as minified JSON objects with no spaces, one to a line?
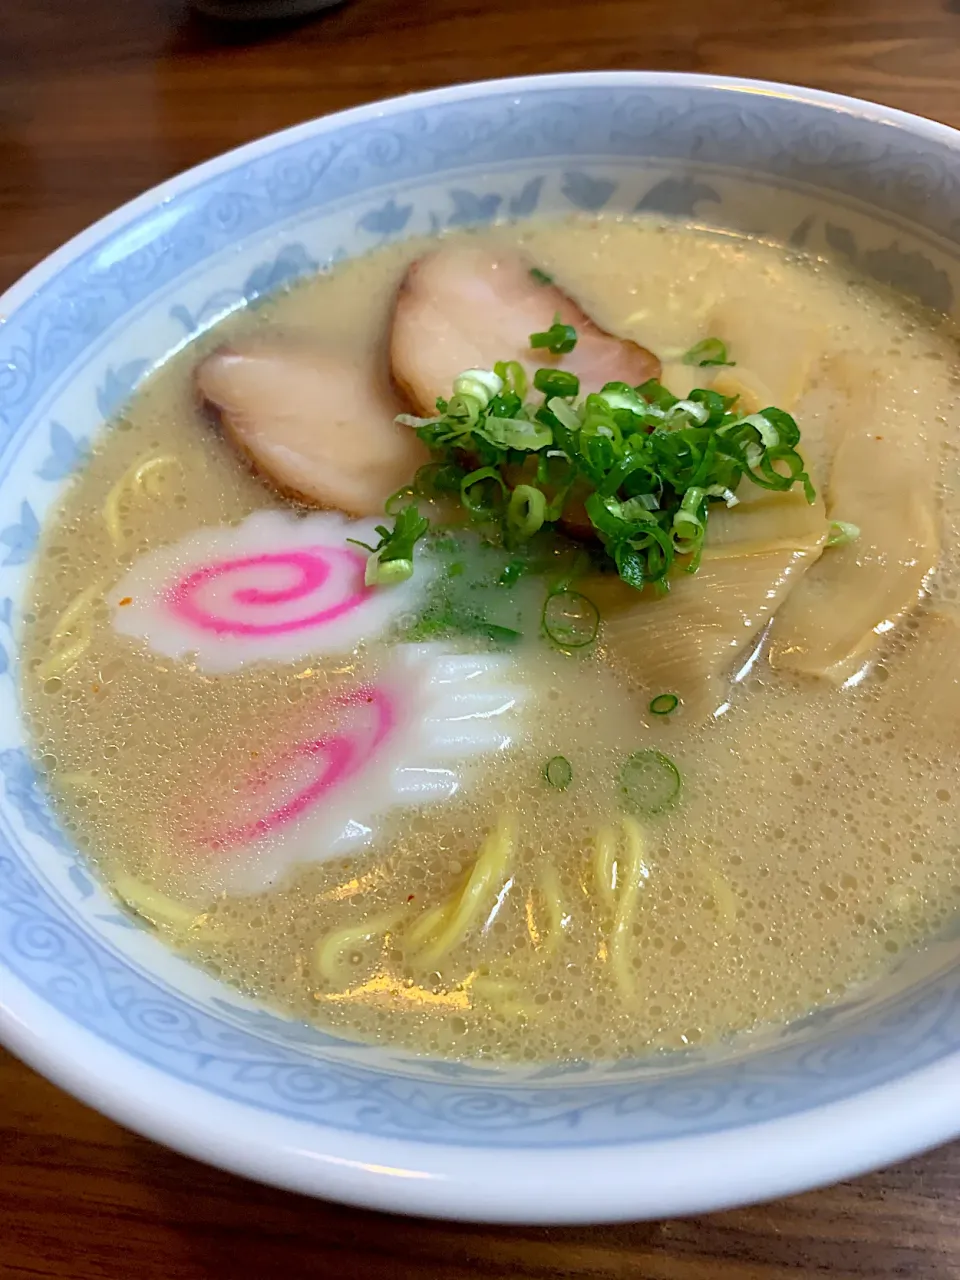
{"x":720,"y":491}
{"x":513,"y":375}
{"x":692,"y":409}
{"x":664,"y":703}
{"x":382,"y":573}
{"x":564,"y":413}
{"x":558,"y":772}
{"x":438,"y":477}
{"x":559,"y":338}
{"x":503,"y":635}
{"x":769,"y":434}
{"x":711,"y":351}
{"x":649,"y":782}
{"x":526,"y":510}
{"x":512,"y":572}
{"x":395,"y":503}
{"x":445,"y":544}
{"x":446,"y":617}
{"x":391,"y":560}
{"x":656,"y":394}
{"x":570,"y":619}
{"x":556,"y":382}
{"x":842,"y":533}
{"x":479,"y":384}
{"x":411,"y":420}
{"x":474,"y":487}
{"x":515,"y":433}
{"x":541,"y":277}
{"x":619,"y":395}
{"x":646,"y":467}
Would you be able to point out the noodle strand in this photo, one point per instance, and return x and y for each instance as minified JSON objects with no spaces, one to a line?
{"x":605,"y":864}
{"x":143,"y":475}
{"x":636,"y":872}
{"x":458,"y":915}
{"x":73,"y":621}
{"x":552,"y":894}
{"x":156,"y":907}
{"x":328,"y":955}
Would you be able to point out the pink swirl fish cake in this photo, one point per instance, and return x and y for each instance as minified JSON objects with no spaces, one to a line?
{"x":275,"y":588}
{"x":321,"y":787}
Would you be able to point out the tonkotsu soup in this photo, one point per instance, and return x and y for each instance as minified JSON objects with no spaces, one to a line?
{"x":530,"y":644}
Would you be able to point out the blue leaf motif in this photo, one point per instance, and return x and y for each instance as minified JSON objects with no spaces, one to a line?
{"x":21,"y":789}
{"x":522,"y":205}
{"x":6,"y":610}
{"x":65,"y":455}
{"x":798,"y":237}
{"x":118,"y":384}
{"x":4,"y":661}
{"x":286,"y":1029}
{"x":214,"y":307}
{"x":678,"y":196}
{"x":469,"y":208}
{"x":80,"y":881}
{"x":384,"y":221}
{"x":21,"y":539}
{"x":121,"y":921}
{"x":841,"y":240}
{"x":182,"y":315}
{"x":910,"y":273}
{"x":586,"y":192}
{"x":290,"y":263}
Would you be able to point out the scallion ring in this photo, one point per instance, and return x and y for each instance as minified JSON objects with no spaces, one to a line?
{"x":557,"y":382}
{"x":570,"y":619}
{"x":526,"y":510}
{"x":664,"y":703}
{"x":711,"y":351}
{"x":513,"y":375}
{"x":649,"y":782}
{"x":474,"y":488}
{"x":558,"y":772}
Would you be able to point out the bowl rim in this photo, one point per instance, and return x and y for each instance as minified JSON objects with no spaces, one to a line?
{"x":691,"y":1174}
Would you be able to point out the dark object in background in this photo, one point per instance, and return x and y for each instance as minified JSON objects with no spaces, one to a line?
{"x":261,"y":10}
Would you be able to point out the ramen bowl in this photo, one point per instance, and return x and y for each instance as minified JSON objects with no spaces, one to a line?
{"x":101,"y":1007}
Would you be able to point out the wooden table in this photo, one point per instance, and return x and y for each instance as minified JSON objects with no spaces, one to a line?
{"x":100,"y":99}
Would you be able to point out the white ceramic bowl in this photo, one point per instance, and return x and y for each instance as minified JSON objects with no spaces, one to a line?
{"x":103,"y":1009}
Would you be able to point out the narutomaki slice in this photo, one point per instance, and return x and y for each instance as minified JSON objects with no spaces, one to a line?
{"x":466,"y":307}
{"x":318,"y":424}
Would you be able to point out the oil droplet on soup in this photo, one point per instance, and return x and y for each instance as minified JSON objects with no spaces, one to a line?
{"x":814,"y":839}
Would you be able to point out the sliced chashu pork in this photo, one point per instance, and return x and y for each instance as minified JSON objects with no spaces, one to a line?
{"x":318,"y":424}
{"x":467,"y":307}
{"x":882,"y":478}
{"x":689,"y":641}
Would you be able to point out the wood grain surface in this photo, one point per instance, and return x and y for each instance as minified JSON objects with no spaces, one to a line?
{"x":100,"y":99}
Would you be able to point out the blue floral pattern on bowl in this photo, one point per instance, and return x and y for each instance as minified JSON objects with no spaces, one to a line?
{"x":72,"y":351}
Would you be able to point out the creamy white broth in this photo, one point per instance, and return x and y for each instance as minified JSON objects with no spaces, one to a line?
{"x":815,"y":837}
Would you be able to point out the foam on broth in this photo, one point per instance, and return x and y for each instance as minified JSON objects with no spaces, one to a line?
{"x":814,"y":842}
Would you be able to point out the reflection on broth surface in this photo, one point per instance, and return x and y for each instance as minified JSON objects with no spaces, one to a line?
{"x":367,"y":835}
